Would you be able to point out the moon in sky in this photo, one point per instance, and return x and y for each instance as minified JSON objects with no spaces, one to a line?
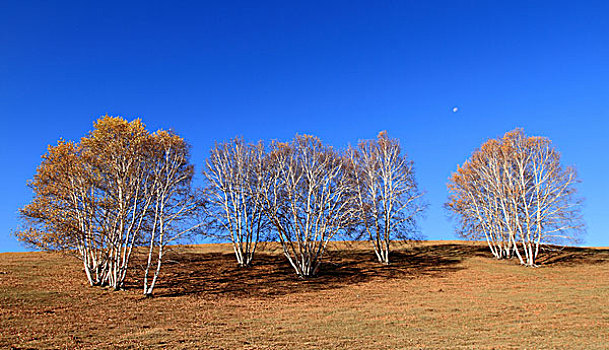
{"x":455,"y":109}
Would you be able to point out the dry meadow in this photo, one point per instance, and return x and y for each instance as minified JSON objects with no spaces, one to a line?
{"x":434,"y":295}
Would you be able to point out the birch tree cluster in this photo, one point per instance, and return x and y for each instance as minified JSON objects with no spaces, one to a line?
{"x":307,"y":194}
{"x":123,"y":189}
{"x":387,"y":197}
{"x":308,"y":199}
{"x":514,"y":193}
{"x":235,"y":174}
{"x":118,"y":188}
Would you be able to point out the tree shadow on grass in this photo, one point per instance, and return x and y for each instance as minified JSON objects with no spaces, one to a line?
{"x":212,"y":275}
{"x":215,"y":274}
{"x":572,"y":256}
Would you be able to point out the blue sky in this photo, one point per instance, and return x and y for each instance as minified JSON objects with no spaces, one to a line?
{"x":341,"y":70}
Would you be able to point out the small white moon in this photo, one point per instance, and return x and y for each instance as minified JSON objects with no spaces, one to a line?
{"x":455,"y":109}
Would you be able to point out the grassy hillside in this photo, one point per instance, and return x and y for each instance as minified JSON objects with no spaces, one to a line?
{"x":436,"y":295}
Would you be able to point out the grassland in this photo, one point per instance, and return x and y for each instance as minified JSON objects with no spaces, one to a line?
{"x":435,"y":295}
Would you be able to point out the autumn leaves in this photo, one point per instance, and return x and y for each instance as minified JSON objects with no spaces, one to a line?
{"x":119,"y":187}
{"x":514,"y":193}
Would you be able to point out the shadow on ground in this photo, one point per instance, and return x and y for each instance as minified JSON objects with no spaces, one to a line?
{"x":187,"y":273}
{"x":572,"y":256}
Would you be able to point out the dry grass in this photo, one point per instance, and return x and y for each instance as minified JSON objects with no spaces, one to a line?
{"x":448,"y":295}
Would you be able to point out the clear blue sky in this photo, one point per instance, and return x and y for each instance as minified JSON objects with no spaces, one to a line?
{"x":342,"y":71}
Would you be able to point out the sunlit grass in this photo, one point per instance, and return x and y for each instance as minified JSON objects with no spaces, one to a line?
{"x":433,"y":296}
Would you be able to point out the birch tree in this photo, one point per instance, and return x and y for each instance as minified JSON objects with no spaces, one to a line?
{"x":120,"y":154}
{"x":307,"y":199}
{"x":235,"y":175}
{"x":93,"y":196}
{"x":116,"y":189}
{"x":479,"y":198}
{"x":387,"y":196}
{"x":515,"y":193}
{"x":174,"y":200}
{"x":61,"y":216}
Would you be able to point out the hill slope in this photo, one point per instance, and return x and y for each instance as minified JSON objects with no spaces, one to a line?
{"x":435,"y":295}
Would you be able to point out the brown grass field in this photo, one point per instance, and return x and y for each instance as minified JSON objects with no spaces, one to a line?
{"x":435,"y":295}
